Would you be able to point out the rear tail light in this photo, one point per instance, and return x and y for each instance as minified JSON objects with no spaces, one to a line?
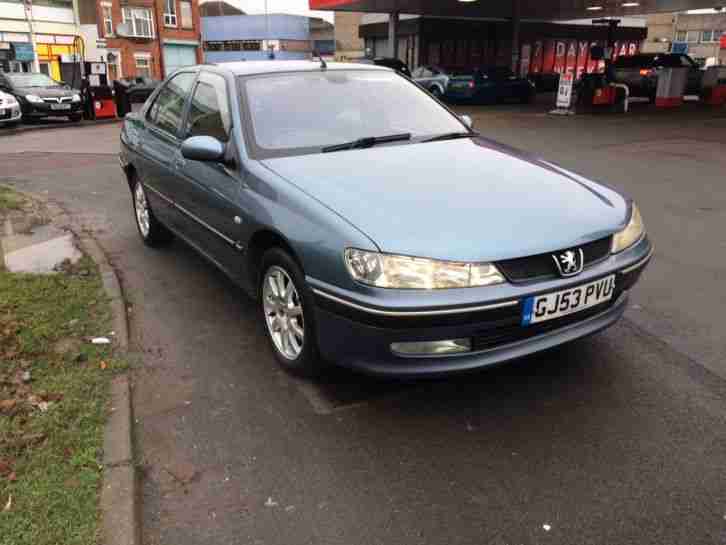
{"x":646,"y":72}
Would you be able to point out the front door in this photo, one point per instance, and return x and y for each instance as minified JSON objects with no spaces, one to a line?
{"x":160,"y":143}
{"x":210,"y":193}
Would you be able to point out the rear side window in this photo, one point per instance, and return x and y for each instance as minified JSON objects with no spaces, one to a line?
{"x":168,"y":108}
{"x":635,"y":61}
{"x":209,"y":110}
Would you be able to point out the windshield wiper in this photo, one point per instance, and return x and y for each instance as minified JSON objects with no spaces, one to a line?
{"x":368,"y":142}
{"x":451,"y":136}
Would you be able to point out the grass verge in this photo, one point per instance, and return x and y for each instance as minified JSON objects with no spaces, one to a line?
{"x":10,"y":200}
{"x":53,"y":394}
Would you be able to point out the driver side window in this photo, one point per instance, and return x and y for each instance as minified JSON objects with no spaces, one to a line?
{"x":168,"y":108}
{"x":209,"y":110}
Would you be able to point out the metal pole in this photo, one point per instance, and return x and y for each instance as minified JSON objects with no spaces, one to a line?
{"x":515,"y":36}
{"x":393,"y":34}
{"x":267,"y":31}
{"x":28,"y":4}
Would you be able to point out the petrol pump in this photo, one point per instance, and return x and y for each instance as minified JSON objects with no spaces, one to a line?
{"x":598,"y":91}
{"x":97,"y":92}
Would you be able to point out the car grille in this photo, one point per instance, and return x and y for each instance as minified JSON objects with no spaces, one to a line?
{"x":542,"y":266}
{"x":515,"y":331}
{"x":57,"y":100}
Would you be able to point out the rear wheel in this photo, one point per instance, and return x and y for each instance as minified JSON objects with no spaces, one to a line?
{"x":288,"y":313}
{"x":152,"y":232}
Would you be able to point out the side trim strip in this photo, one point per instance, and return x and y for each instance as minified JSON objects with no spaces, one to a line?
{"x":415,"y":312}
{"x":204,"y":224}
{"x":159,"y":194}
{"x":639,"y":263}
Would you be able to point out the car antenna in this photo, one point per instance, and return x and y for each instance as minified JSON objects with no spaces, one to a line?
{"x":323,"y":64}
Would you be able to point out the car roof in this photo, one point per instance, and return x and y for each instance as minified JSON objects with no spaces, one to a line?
{"x":247,"y":68}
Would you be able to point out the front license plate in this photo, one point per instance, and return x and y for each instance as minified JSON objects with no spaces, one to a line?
{"x":540,"y":308}
{"x":60,"y":106}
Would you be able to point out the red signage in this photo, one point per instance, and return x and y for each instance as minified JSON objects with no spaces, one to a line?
{"x":323,"y":4}
{"x":723,"y":41}
{"x":560,"y":56}
{"x":571,"y":59}
{"x":583,"y":52}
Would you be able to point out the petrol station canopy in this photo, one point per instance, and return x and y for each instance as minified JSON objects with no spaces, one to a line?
{"x":528,"y":9}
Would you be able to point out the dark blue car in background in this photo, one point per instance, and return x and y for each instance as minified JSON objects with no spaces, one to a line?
{"x":371,"y":225}
{"x":475,"y":86}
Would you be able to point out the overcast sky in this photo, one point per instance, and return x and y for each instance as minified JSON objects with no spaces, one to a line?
{"x":298,"y":7}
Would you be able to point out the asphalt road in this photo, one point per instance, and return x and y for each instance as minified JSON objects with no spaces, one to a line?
{"x":614,"y":439}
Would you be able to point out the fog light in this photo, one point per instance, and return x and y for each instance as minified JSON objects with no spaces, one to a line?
{"x":432,"y":348}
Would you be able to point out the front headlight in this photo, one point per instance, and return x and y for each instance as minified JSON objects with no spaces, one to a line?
{"x":34,"y":99}
{"x":402,"y":272}
{"x":76,"y":98}
{"x":632,"y":233}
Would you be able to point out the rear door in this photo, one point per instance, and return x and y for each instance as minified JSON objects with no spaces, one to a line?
{"x":159,"y":145}
{"x":209,"y":193}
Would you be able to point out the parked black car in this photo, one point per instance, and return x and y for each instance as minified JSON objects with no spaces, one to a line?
{"x":640,"y":72}
{"x":40,"y":96}
{"x":488,"y":86}
{"x":389,"y":62}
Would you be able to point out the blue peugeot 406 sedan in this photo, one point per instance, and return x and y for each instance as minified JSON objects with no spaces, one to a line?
{"x":373,"y":227}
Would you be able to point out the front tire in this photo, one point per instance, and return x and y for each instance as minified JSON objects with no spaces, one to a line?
{"x":287,"y":307}
{"x":153,"y":233}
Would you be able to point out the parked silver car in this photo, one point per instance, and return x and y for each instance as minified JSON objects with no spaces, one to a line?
{"x":432,"y":78}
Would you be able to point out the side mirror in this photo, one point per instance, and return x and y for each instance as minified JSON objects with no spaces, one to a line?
{"x":467,"y":121}
{"x":202,"y":148}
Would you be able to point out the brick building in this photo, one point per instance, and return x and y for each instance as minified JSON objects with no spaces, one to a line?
{"x":141,"y":37}
{"x":701,"y":35}
{"x":348,"y":43}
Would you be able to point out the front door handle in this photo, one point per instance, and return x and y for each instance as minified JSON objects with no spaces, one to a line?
{"x":179,"y":162}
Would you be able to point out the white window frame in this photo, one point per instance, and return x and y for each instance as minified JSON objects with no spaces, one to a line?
{"x":714,"y":38}
{"x":185,"y":20}
{"x":107,"y":22}
{"x":130,"y":15}
{"x":118,"y":64}
{"x":146,"y":57}
{"x":170,"y":18}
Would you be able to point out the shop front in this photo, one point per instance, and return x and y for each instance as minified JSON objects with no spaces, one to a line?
{"x":15,"y":56}
{"x":545,"y":51}
{"x":59,"y":57}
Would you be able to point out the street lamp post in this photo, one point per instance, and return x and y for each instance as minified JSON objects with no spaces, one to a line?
{"x":28,"y":5}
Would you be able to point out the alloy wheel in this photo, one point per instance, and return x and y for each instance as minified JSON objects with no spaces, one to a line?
{"x":283,"y":312}
{"x":141,"y":206}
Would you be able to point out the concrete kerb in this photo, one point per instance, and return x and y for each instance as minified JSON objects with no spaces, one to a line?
{"x":120,"y":519}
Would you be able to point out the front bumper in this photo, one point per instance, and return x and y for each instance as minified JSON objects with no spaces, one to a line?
{"x":357,"y":335}
{"x":10,"y":114}
{"x":38,"y":110}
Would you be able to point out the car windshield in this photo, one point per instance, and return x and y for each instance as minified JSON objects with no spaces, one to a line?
{"x":31,"y":80}
{"x":303,"y":112}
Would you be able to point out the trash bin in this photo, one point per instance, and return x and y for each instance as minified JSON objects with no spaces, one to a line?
{"x":131,"y":93}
